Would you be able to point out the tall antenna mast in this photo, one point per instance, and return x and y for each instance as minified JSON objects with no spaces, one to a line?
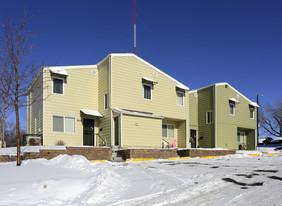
{"x":134,"y":27}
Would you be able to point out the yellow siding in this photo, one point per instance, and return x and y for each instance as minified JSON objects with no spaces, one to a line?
{"x":242,"y":113}
{"x":128,"y":89}
{"x":80,"y":92}
{"x":206,"y":131}
{"x":227,"y":124}
{"x":141,"y":132}
{"x":181,"y":134}
{"x":103,"y":86}
{"x":35,"y":110}
{"x":193,"y":109}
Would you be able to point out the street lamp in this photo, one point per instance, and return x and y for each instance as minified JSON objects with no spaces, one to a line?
{"x":258,"y":117}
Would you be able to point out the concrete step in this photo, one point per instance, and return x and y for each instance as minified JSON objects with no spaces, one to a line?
{"x":115,"y":158}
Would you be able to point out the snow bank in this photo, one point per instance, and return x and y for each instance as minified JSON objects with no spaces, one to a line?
{"x":12,"y":151}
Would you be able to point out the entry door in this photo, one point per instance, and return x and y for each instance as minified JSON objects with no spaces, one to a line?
{"x":116,"y":125}
{"x":88,"y":132}
{"x":193,"y":135}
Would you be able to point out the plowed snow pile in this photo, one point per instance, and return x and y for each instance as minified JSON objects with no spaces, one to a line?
{"x":73,"y":180}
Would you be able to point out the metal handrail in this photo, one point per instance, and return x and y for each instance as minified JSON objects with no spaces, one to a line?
{"x":104,"y":143}
{"x":166,"y":143}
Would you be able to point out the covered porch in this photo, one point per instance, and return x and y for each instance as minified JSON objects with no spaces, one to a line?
{"x":246,"y":139}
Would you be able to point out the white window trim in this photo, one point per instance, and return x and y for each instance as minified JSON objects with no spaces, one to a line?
{"x":144,"y":91}
{"x":234,"y":108}
{"x":107,"y":94}
{"x":253,"y":113}
{"x":207,"y":117}
{"x":167,"y":130}
{"x":182,"y":99}
{"x":53,"y":85}
{"x":64,"y":124}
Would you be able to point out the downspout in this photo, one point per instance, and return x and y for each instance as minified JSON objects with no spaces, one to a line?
{"x":110,"y":92}
{"x":188,"y":124}
{"x":215,"y":118}
{"x":121,"y":142}
{"x":43,"y":104}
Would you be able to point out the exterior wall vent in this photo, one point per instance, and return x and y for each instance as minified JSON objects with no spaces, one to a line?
{"x":94,"y":72}
{"x":155,"y":74}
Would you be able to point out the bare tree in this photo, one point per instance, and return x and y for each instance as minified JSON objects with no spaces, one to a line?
{"x":271,"y":119}
{"x":5,"y":103}
{"x":16,"y":44}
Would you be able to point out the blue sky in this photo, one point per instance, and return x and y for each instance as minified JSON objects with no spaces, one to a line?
{"x":198,"y":42}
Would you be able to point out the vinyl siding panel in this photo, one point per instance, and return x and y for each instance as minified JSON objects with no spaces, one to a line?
{"x":103,"y":85}
{"x":35,"y":110}
{"x":80,"y":92}
{"x":181,"y":143}
{"x":227,"y":125}
{"x":128,"y":89}
{"x":206,"y":131}
{"x":193,"y":109}
{"x":141,"y":132}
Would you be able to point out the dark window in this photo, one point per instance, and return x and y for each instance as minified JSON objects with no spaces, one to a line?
{"x":232,"y":108}
{"x":106,"y":102}
{"x":58,"y":86}
{"x":209,"y":117}
{"x":147,"y":91}
{"x":252,"y":112}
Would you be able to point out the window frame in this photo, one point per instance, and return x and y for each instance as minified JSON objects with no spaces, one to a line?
{"x":60,"y":78}
{"x":178,"y":92}
{"x":211,"y":119}
{"x":151,"y":88}
{"x":252,"y":110}
{"x":167,"y":130}
{"x":64,"y":118}
{"x":106,"y":97}
{"x":234,"y":108}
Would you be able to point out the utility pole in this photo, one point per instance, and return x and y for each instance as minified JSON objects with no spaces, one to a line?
{"x":258,"y":117}
{"x":134,"y":27}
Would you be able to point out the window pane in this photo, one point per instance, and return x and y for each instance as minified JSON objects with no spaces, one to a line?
{"x":164,"y":130}
{"x":58,"y":124}
{"x":70,"y":124}
{"x":231,"y":106}
{"x":147,"y":92}
{"x":209,"y":117}
{"x":252,"y":112}
{"x":170,"y":129}
{"x":58,"y":86}
{"x":179,"y":98}
{"x":106,"y":101}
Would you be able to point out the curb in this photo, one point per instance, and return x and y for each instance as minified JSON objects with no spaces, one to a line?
{"x":98,"y":161}
{"x":207,"y":157}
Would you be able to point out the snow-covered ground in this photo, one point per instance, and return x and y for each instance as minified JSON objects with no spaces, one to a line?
{"x":239,"y":179}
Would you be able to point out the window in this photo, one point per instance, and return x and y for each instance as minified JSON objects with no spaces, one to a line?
{"x":232,"y":109}
{"x":58,"y":124}
{"x":240,"y":137}
{"x":58,"y":86}
{"x":69,"y":124}
{"x":147,"y":91}
{"x":252,"y":112}
{"x":209,"y":117}
{"x":180,"y":98}
{"x":168,"y":130}
{"x":63,"y":124}
{"x":106,"y":102}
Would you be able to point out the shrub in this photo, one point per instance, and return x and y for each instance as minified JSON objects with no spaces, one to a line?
{"x":60,"y":142}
